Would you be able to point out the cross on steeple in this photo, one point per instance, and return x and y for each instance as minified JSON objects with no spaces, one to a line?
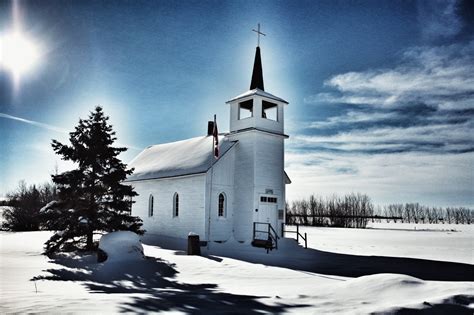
{"x":258,"y":34}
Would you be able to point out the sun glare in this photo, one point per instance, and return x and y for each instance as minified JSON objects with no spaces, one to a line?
{"x":18,"y":53}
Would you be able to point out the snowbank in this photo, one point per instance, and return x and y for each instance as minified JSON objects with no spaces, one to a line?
{"x":168,"y":281}
{"x":121,"y":246}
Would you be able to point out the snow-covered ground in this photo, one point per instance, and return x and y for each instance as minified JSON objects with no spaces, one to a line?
{"x":444,"y":242}
{"x":291,"y":279}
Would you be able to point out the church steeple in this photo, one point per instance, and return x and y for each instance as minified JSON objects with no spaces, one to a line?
{"x":257,"y":109}
{"x":257,"y":73}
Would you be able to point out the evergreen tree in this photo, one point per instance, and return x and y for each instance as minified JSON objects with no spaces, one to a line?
{"x":93,"y":197}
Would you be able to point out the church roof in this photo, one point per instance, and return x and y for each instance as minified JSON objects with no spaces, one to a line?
{"x":186,"y":157}
{"x":257,"y":92}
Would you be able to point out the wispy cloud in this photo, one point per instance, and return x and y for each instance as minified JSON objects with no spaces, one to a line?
{"x":401,"y":134}
{"x":436,"y":76}
{"x":53,"y":128}
{"x":425,"y":103}
{"x":34,"y":123}
{"x":438,"y":18}
{"x":439,"y":138}
{"x":353,"y":117}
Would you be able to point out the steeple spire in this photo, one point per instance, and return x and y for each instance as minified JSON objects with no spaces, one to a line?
{"x":257,"y":74}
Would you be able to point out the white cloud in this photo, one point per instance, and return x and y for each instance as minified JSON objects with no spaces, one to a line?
{"x":428,"y":99}
{"x":402,"y":138}
{"x":352,"y":117}
{"x":34,"y":123}
{"x":438,"y":76}
{"x":408,"y":137}
{"x":55,"y":128}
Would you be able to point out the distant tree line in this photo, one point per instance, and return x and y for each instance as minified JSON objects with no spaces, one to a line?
{"x":355,"y":210}
{"x":416,"y":213}
{"x":21,"y":210}
{"x":351,"y":210}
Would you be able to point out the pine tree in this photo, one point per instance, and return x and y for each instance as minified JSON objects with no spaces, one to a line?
{"x":93,"y":197}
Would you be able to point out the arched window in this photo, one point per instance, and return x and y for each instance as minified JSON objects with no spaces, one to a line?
{"x":175,"y":205}
{"x":150,"y":205}
{"x":221,"y":205}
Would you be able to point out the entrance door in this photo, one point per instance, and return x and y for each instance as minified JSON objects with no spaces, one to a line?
{"x":267,"y":213}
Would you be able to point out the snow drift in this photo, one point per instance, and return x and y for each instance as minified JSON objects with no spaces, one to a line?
{"x":121,"y":246}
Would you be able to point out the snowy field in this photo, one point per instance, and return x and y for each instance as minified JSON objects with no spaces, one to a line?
{"x":385,"y":269}
{"x":445,"y":242}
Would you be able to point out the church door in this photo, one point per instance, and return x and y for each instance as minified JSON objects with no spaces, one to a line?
{"x":267,"y":213}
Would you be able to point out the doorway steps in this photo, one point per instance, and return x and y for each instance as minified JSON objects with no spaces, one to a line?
{"x":264,"y":236}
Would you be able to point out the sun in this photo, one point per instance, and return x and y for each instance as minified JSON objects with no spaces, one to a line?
{"x":18,"y":53}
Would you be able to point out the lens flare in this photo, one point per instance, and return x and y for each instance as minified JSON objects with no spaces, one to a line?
{"x":18,"y":53}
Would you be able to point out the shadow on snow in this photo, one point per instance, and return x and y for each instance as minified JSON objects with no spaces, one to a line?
{"x":458,"y":304}
{"x":152,"y":278}
{"x":293,"y":256}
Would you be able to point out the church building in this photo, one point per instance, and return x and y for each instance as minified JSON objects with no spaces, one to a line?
{"x":219,"y":186}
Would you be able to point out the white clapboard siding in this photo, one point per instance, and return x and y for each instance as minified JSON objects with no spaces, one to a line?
{"x":191,"y":190}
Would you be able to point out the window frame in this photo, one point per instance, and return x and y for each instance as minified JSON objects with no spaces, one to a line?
{"x":269,"y":105}
{"x":151,"y":205}
{"x":224,"y":205}
{"x":248,"y":103}
{"x":175,"y":205}
{"x":273,"y":199}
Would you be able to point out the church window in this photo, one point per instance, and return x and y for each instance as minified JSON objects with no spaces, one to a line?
{"x":221,"y":205}
{"x":150,"y":205}
{"x":175,"y":205}
{"x":246,"y":109}
{"x":268,"y":199}
{"x":269,"y":110}
{"x":272,"y":200}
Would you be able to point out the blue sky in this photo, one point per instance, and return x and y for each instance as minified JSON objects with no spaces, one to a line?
{"x":381,"y":93}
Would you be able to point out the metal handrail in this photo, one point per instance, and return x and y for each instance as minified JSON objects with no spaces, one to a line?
{"x":298,"y":234}
{"x":275,"y":233}
{"x":272,"y":234}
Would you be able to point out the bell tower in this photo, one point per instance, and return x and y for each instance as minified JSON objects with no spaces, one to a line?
{"x":257,"y":108}
{"x":257,"y":124}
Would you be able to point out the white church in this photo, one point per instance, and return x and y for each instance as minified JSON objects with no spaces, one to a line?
{"x":240,"y":194}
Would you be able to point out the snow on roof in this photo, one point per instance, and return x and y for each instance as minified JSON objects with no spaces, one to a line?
{"x":257,"y":92}
{"x":191,"y":156}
